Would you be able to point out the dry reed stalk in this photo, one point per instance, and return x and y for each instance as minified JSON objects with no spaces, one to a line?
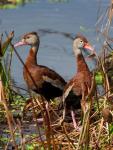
{"x":6,"y":147}
{"x":48,"y":131}
{"x":22,"y":140}
{"x":37,"y":125}
{"x":84,"y":137}
{"x":110,"y":13}
{"x":1,"y":90}
{"x":9,"y":115}
{"x":107,"y":86}
{"x":100,"y":130}
{"x":68,"y":138}
{"x":47,"y":124}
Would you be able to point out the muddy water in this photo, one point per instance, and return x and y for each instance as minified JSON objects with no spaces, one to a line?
{"x":69,"y":16}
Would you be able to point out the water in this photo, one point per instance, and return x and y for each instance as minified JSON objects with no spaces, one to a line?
{"x":55,"y":50}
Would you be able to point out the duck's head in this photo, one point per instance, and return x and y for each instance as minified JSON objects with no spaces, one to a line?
{"x":81,"y":43}
{"x":31,"y":39}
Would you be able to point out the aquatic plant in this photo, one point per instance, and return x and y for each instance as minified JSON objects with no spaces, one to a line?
{"x":11,"y":4}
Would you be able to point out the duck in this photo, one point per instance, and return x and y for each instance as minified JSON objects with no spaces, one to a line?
{"x":40,"y":79}
{"x":77,"y":88}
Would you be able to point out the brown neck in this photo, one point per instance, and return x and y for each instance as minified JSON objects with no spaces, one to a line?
{"x":32,"y":56}
{"x":81,"y":64}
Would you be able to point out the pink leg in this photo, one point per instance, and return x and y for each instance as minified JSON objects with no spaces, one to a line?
{"x":73,"y":118}
{"x":47,"y":106}
{"x":47,"y":109}
{"x":40,"y":120}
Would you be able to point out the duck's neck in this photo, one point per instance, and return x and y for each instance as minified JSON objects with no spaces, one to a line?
{"x":81,"y":64}
{"x":32,"y":56}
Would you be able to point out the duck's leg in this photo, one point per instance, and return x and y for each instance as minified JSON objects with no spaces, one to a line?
{"x":74,"y":120}
{"x":40,"y":120}
{"x":47,"y":109}
{"x":47,"y":106}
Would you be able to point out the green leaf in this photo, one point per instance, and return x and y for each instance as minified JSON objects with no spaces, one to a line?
{"x":99,"y":78}
{"x":3,"y":75}
{"x":29,"y":147}
{"x":4,"y":139}
{"x":111,"y":129}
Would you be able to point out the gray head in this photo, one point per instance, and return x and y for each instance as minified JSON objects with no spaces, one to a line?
{"x":80,"y":43}
{"x":31,"y":39}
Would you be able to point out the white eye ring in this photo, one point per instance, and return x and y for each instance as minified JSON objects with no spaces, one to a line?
{"x":81,"y":41}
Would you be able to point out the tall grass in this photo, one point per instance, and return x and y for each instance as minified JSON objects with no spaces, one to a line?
{"x":4,"y":84}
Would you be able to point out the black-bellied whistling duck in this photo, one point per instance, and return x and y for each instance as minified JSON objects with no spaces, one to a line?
{"x":77,"y":87}
{"x":40,"y":79}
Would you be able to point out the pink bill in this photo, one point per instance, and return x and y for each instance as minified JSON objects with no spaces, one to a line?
{"x":19,"y":44}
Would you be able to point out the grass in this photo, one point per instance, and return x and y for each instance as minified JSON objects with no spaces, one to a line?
{"x":18,"y":114}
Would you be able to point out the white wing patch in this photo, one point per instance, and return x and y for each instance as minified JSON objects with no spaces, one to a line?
{"x":67,"y":92}
{"x":57,"y":83}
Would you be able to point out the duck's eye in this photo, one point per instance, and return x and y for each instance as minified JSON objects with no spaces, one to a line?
{"x":27,"y":37}
{"x":81,"y":41}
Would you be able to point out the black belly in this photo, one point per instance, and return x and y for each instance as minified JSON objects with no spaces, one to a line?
{"x":49,"y":91}
{"x":72,"y":101}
